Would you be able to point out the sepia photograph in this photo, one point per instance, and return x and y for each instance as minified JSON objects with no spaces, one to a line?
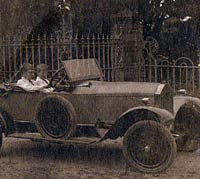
{"x":99,"y":89}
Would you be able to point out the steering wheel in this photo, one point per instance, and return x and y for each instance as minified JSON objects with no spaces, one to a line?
{"x":53,"y":82}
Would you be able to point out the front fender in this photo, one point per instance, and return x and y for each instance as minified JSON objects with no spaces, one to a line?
{"x":179,"y":101}
{"x":163,"y":115}
{"x":136,"y":114}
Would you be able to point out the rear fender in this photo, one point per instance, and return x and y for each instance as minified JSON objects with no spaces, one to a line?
{"x":180,"y":101}
{"x":187,"y":116}
{"x":134,"y":115}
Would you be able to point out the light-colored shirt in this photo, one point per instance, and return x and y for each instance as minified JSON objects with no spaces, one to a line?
{"x":42,"y":83}
{"x":28,"y":85}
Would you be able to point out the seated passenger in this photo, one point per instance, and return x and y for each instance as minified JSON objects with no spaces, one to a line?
{"x":27,"y":81}
{"x":41,"y":80}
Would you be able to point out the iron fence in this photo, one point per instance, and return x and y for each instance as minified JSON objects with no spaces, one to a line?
{"x":181,"y":73}
{"x":51,"y":50}
{"x":149,"y":67}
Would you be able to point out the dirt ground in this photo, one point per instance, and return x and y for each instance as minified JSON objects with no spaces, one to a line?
{"x":23,"y":159}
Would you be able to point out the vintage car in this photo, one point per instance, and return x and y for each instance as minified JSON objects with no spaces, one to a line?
{"x":83,"y":103}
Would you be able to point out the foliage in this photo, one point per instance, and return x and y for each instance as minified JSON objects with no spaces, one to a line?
{"x":161,"y":19}
{"x":19,"y":16}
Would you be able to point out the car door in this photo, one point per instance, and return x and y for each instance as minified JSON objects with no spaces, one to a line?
{"x":21,"y":105}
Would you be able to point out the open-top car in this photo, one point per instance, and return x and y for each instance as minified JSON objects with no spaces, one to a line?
{"x":82,"y":103}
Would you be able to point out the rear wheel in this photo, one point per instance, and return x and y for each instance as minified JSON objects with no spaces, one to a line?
{"x":56,"y":118}
{"x":149,"y":147}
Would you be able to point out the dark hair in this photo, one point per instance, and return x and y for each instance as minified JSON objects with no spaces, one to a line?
{"x":42,"y":67}
{"x":26,"y":67}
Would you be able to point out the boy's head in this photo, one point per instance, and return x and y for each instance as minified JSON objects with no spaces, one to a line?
{"x":42,"y":70}
{"x":28,"y":71}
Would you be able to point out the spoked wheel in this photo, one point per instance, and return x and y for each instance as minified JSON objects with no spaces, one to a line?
{"x":56,"y":118}
{"x":149,"y":147}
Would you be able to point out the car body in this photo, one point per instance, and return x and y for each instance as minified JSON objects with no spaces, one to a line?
{"x":82,"y":103}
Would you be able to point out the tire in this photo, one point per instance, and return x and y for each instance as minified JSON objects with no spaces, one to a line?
{"x":149,"y":147}
{"x":187,"y":124}
{"x":56,"y":118}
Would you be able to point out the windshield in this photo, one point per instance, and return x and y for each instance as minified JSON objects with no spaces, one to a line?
{"x":82,"y":69}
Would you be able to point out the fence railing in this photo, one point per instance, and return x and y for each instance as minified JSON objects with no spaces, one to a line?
{"x":181,"y":73}
{"x":51,"y":50}
{"x":182,"y":76}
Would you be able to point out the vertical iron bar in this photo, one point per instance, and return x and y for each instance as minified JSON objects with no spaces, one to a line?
{"x":161,"y":71}
{"x":193,"y":78}
{"x":32,"y":51}
{"x":20,"y":50}
{"x":77,"y":46}
{"x":58,"y":51}
{"x":93,"y":45}
{"x":112,"y":58}
{"x":4,"y":58}
{"x":52,"y":59}
{"x":186,"y":77}
{"x":39,"y":49}
{"x":155,"y":70}
{"x":70,"y":46}
{"x":108,"y":58}
{"x":174,"y":77}
{"x":99,"y":50}
{"x":82,"y":47}
{"x":103,"y":46}
{"x":15,"y":56}
{"x":45,"y":49}
{"x":58,"y":40}
{"x":88,"y":46}
{"x":26,"y":47}
{"x":168,"y":70}
{"x":9,"y":58}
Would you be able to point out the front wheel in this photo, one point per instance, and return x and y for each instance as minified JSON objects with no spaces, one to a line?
{"x":149,"y":147}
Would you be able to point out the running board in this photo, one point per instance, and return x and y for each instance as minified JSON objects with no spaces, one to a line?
{"x":36,"y":137}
